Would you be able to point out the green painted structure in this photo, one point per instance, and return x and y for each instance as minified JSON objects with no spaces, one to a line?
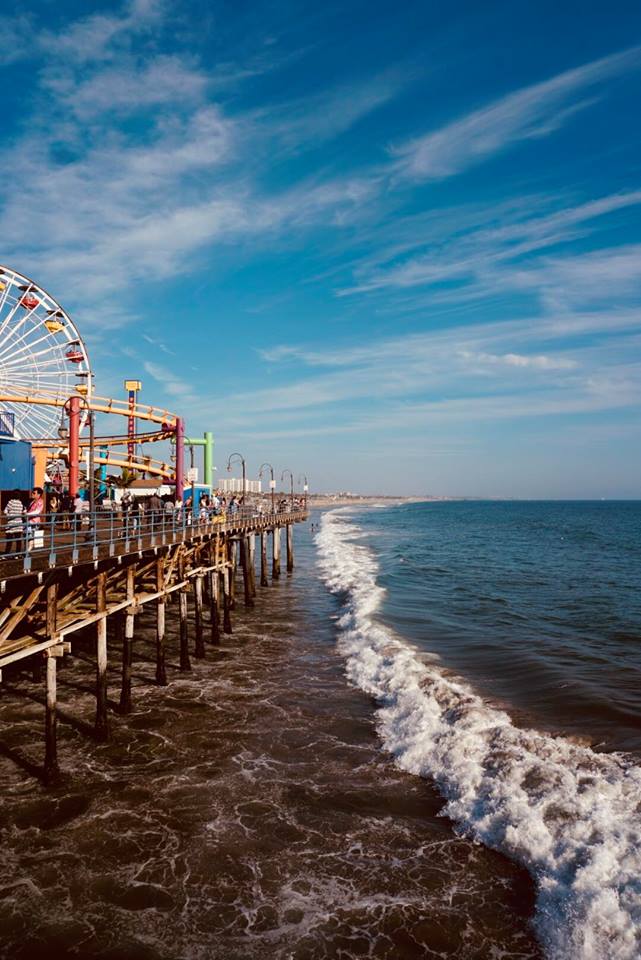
{"x":207,"y":442}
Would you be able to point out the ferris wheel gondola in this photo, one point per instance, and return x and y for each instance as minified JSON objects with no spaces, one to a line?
{"x":41,"y":355}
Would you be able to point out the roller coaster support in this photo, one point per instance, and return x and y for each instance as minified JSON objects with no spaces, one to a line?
{"x":101,"y":460}
{"x":73,"y":412}
{"x":180,"y":457}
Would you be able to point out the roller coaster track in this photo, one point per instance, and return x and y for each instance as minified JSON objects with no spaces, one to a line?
{"x":101,"y":405}
{"x":106,"y":405}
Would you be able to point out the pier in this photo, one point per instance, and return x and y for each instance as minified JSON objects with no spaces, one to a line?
{"x":89,"y":565}
{"x":100,"y":579}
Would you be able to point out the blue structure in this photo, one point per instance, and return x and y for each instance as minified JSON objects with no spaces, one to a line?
{"x":16,"y":464}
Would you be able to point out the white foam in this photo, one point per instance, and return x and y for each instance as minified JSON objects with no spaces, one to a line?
{"x":571,"y":816}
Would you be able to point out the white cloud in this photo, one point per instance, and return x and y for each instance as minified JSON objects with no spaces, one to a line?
{"x":475,"y":258}
{"x":309,"y":121}
{"x":172,"y":384}
{"x":530,"y":113}
{"x":128,"y":87}
{"x":536,"y":362}
{"x":97,"y":36}
{"x":588,"y":279}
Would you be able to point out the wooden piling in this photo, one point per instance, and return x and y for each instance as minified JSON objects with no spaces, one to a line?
{"x":233,"y":559}
{"x":276,"y":553}
{"x":213,"y":607}
{"x":199,"y":649}
{"x":264,"y":582}
{"x":102,"y":726}
{"x":251,"y":553}
{"x":183,"y":612}
{"x":185,"y":662}
{"x":51,"y":769}
{"x":161,"y":671}
{"x":224,"y":579}
{"x":245,"y":564}
{"x":290,"y":547}
{"x":126,"y":629}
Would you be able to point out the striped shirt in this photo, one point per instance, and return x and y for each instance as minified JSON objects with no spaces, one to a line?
{"x":13,"y":512}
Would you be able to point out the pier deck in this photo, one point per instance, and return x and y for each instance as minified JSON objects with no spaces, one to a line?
{"x":86,"y":578}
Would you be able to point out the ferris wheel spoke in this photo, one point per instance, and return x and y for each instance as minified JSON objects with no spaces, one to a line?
{"x":7,"y":320}
{"x":26,"y":345}
{"x":41,"y":356}
{"x":32,"y":416}
{"x":52,"y":348}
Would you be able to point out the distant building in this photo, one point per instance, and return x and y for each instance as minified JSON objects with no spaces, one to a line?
{"x":235,"y":485}
{"x":144,"y":488}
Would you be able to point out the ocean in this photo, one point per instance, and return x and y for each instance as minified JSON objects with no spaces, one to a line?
{"x":500,"y":643}
{"x":423,"y":743}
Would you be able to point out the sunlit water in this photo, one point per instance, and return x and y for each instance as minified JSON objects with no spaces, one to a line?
{"x":319,"y":786}
{"x":244,"y":811}
{"x":481,"y":628}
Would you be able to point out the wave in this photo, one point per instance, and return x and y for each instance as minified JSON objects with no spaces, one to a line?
{"x":569,"y":815}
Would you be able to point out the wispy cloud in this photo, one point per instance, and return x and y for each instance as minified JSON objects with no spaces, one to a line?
{"x":535,"y":362}
{"x":97,"y":36}
{"x":171,"y":383}
{"x":128,"y":86}
{"x":530,"y":113}
{"x":473,"y":258}
{"x":309,"y":121}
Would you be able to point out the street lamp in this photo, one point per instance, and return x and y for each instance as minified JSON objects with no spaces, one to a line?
{"x":240,"y":457}
{"x":272,"y":482}
{"x":291,"y":494}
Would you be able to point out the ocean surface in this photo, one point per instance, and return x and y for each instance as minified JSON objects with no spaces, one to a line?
{"x":422,"y":744}
{"x":501,"y":643}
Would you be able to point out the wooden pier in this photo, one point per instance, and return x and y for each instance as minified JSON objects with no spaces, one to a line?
{"x":108,"y":576}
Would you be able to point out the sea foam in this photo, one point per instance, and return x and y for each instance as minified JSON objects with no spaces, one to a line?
{"x":572,"y":817}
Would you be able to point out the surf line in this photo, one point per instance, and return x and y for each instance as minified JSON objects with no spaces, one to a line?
{"x":567,"y":814}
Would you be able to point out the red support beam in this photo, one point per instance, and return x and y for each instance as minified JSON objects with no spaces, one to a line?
{"x":180,"y":457}
{"x":73,"y":411}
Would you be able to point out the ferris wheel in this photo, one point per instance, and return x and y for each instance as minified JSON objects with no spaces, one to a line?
{"x":41,"y":356}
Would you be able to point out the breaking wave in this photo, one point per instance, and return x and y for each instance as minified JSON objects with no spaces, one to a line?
{"x":569,"y":815}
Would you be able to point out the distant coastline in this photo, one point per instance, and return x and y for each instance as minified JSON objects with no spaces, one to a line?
{"x":344,"y":500}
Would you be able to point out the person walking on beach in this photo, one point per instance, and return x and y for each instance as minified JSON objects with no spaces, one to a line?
{"x":13,"y":530}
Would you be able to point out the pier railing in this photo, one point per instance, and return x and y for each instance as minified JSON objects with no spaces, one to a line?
{"x":51,"y":540}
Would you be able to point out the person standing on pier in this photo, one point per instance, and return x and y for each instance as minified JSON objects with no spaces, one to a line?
{"x":34,"y":518}
{"x":13,"y":530}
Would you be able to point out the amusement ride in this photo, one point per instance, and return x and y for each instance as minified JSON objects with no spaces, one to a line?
{"x":46,"y":387}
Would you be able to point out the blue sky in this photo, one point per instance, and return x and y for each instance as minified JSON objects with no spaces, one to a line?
{"x":394,"y":246}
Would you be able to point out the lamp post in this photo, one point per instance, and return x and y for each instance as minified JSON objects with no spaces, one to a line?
{"x":272,"y":482}
{"x":239,"y":457}
{"x":305,"y":487}
{"x":291,"y":491}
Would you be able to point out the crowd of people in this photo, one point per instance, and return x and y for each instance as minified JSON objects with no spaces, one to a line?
{"x":27,"y":517}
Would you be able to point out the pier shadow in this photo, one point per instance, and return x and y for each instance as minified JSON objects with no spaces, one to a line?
{"x":82,"y":726}
{"x":33,"y":769}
